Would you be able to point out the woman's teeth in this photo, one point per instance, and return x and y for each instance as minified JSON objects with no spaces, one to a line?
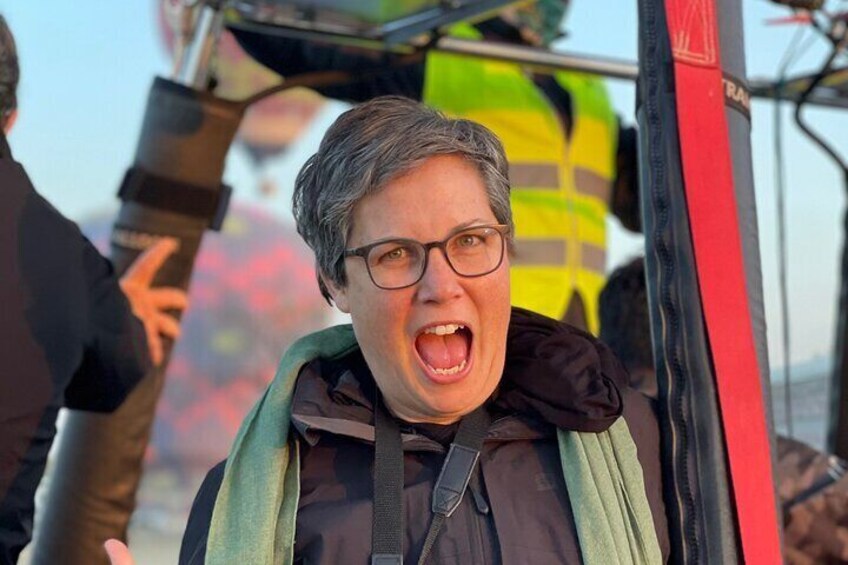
{"x":449,"y":371}
{"x":444,"y":330}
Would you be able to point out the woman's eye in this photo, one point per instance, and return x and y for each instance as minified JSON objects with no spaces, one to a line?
{"x":469,"y":240}
{"x":395,"y":254}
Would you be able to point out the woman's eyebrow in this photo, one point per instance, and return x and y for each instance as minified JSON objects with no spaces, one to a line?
{"x":470,"y":223}
{"x":456,"y":229}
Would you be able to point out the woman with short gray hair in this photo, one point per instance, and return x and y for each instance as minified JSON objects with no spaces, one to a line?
{"x":442,"y":425}
{"x":363,"y":150}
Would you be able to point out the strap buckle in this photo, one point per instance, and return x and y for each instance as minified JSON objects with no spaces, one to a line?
{"x":454,"y":478}
{"x":176,"y":196}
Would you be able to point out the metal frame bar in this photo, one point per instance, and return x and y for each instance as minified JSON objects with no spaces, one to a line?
{"x":540,"y":59}
{"x":543,"y":60}
{"x":194,"y":65}
{"x":823,"y":96}
{"x":546,"y":60}
{"x":388,"y":35}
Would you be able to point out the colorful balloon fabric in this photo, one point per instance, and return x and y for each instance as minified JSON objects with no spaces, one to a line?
{"x":253,"y":292}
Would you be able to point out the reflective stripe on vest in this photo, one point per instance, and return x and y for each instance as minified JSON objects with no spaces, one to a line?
{"x":560,"y":190}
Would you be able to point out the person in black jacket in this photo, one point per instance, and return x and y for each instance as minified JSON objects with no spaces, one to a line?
{"x":473,"y":415}
{"x":72,"y":333}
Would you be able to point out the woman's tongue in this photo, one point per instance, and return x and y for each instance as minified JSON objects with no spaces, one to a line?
{"x":442,"y":351}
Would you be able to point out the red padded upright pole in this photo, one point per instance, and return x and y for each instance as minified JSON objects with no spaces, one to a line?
{"x":711,"y":201}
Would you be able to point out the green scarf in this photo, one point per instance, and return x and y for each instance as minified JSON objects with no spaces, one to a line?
{"x":255,"y":513}
{"x":607,"y":491}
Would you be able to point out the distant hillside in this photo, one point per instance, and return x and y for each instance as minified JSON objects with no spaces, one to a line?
{"x":810,"y":400}
{"x":810,"y":369}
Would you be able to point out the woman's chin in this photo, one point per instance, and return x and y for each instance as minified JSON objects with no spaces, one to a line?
{"x":450,"y":405}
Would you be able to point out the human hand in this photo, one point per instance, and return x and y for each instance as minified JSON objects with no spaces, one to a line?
{"x":119,"y":554}
{"x":149,"y":304}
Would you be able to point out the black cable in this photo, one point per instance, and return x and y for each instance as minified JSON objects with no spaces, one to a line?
{"x":808,"y":131}
{"x":826,"y":69}
{"x":308,"y":80}
{"x":331,"y":78}
{"x":780,"y":191}
{"x":790,"y":56}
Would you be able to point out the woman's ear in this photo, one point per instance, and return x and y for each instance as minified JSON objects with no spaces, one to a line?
{"x":338,"y":294}
{"x":10,"y":121}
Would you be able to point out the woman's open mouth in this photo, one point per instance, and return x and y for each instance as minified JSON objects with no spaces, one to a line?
{"x":444,"y":351}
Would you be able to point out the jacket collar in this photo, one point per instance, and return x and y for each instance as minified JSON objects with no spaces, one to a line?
{"x":555,"y":376}
{"x":339,"y":402}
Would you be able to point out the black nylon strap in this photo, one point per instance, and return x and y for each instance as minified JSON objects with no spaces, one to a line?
{"x":836,"y":469}
{"x":459,"y":465}
{"x":432,"y":532}
{"x":387,"y":519}
{"x":174,"y":196}
{"x":456,"y":473}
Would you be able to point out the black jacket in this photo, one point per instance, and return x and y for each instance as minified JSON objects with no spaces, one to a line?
{"x":67,"y":337}
{"x":517,"y":509}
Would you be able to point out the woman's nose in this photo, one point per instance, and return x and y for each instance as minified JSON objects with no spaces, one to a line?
{"x":440,"y":282}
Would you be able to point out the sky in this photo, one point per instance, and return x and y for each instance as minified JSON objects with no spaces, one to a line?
{"x":87,"y":66}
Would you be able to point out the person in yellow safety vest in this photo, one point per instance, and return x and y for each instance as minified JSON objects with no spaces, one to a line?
{"x":561,"y":181}
{"x":570,"y":161}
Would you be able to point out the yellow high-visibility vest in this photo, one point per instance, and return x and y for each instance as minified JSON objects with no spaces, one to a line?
{"x":560,"y":189}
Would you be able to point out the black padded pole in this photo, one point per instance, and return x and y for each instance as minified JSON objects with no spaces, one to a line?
{"x":184,"y":139}
{"x":700,"y":518}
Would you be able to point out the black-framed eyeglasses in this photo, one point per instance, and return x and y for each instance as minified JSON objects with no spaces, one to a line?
{"x":399,"y":263}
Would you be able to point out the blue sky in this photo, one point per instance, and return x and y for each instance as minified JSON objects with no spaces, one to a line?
{"x":87,"y":66}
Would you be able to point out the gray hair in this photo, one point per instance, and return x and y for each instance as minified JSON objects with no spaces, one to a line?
{"x":9,"y":72}
{"x":365,"y":149}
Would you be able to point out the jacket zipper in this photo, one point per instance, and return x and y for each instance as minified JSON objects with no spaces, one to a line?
{"x":482,"y":518}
